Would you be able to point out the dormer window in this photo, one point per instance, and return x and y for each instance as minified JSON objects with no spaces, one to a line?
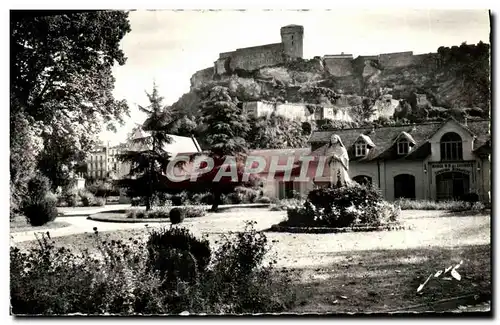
{"x":363,"y":145}
{"x":361,"y":149}
{"x":403,"y":147}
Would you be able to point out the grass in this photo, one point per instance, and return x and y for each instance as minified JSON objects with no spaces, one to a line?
{"x":20,"y":225}
{"x":373,"y":274}
{"x":455,"y":206}
{"x":80,"y":242}
{"x":387,"y":280}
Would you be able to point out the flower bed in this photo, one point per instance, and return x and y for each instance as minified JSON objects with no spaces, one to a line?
{"x":353,"y":208}
{"x":327,"y":230}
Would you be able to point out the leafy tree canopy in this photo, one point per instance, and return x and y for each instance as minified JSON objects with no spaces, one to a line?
{"x":62,"y":83}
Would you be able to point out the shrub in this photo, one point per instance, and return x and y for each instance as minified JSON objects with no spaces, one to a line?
{"x":286,"y":204}
{"x":247,"y":194}
{"x":37,"y":189}
{"x":40,"y":212}
{"x":193,"y":212}
{"x":135,"y":201}
{"x":175,"y":272}
{"x":71,"y":197}
{"x":50,"y":281}
{"x":340,"y":207}
{"x":87,"y":198}
{"x":176,"y":216}
{"x":158,"y":213}
{"x":234,"y":198}
{"x":240,"y":282}
{"x":301,"y":216}
{"x":203,"y":198}
{"x":164,"y":244}
{"x":455,"y":206}
{"x":99,"y":201}
{"x":141,"y":214}
{"x":132,"y":214}
{"x":263,"y":199}
{"x":180,"y":199}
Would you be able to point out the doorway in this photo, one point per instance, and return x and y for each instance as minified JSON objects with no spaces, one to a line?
{"x":452,"y":185}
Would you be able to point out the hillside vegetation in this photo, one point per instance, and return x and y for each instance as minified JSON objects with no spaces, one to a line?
{"x":454,"y":81}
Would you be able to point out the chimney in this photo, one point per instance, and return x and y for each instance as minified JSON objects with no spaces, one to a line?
{"x":414,"y":127}
{"x":465,"y":121}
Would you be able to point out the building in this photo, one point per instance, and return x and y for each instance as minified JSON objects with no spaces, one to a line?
{"x":103,"y":162}
{"x":179,"y":144}
{"x":432,"y":161}
{"x":297,"y":111}
{"x":253,"y":58}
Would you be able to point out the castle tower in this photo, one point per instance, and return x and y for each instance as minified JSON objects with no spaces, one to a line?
{"x":292,"y":37}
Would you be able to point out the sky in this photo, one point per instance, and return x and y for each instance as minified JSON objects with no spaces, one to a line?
{"x":167,"y":47}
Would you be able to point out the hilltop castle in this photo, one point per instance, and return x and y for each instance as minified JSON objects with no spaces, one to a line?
{"x":252,"y":58}
{"x":291,"y":48}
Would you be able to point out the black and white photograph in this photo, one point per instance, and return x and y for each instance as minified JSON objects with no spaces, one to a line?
{"x":250,"y":162}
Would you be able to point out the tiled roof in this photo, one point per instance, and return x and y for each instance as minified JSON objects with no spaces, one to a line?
{"x":179,"y":143}
{"x":384,"y":137}
{"x":268,"y":155}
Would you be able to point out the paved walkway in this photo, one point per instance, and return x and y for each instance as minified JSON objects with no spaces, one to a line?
{"x":86,"y":211}
{"x":231,"y":220}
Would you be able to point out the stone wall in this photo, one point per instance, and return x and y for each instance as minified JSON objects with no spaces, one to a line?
{"x":338,"y":67}
{"x":392,"y":60}
{"x":253,"y":58}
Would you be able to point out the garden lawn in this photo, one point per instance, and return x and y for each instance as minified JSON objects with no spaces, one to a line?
{"x":387,"y":280}
{"x":20,"y":225}
{"x":375,"y":272}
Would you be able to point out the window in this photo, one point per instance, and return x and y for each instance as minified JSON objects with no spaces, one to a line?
{"x":403,"y":147}
{"x":451,"y":147}
{"x":91,"y":158}
{"x":360,"y":149}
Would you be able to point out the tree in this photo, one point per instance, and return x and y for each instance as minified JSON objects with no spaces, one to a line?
{"x":61,"y":80}
{"x":227,"y":129}
{"x":150,"y":160}
{"x":276,"y":132}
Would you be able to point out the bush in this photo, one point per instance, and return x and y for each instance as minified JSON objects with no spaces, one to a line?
{"x":71,"y":197}
{"x":135,"y":201}
{"x":263,"y":199}
{"x":99,"y":201}
{"x":41,"y":212}
{"x":180,"y":199}
{"x":240,"y":282}
{"x":247,"y":194}
{"x":141,"y":214}
{"x":341,"y":207}
{"x":176,"y":216}
{"x":164,"y":244}
{"x":50,"y":281}
{"x":132,"y":214}
{"x":37,"y":189}
{"x":158,"y":213}
{"x":176,"y":272}
{"x":454,"y":206}
{"x":194,"y":212}
{"x":87,"y":198}
{"x":286,"y":204}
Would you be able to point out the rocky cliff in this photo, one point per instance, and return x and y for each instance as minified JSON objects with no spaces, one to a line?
{"x":400,"y":85}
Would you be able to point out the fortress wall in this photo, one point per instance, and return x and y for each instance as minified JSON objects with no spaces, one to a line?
{"x":294,"y":111}
{"x":338,"y":67}
{"x":426,"y":60}
{"x":201,"y":77}
{"x":253,"y":58}
{"x":392,"y":60}
{"x":220,"y":66}
{"x":224,"y":55}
